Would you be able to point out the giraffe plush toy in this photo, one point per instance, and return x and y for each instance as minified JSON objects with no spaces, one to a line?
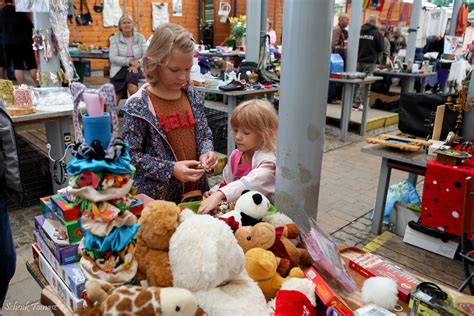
{"x":136,"y":300}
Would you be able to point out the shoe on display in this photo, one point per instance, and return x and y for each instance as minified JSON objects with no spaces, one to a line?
{"x":234,"y":85}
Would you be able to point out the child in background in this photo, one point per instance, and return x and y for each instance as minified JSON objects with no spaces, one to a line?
{"x":164,"y":123}
{"x":252,"y":165}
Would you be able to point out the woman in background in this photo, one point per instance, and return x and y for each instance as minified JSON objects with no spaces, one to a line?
{"x":126,"y":50}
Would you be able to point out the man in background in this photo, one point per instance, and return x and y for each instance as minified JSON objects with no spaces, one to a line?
{"x":371,"y":44}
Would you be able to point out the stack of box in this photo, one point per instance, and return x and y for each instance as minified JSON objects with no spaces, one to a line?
{"x":57,"y":254}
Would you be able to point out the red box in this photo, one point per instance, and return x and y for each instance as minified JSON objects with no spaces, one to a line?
{"x":370,"y":265}
{"x":326,"y":294}
{"x":443,"y":196}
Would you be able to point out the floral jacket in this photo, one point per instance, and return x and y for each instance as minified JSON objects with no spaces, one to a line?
{"x":150,"y":151}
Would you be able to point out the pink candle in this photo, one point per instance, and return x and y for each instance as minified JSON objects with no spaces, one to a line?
{"x":94,"y":104}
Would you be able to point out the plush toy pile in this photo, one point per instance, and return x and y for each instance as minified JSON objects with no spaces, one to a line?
{"x":100,"y":180}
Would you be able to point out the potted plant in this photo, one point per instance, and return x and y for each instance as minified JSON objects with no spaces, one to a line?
{"x":237,"y":31}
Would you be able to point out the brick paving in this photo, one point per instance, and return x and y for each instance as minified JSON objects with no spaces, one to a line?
{"x":347,"y":194}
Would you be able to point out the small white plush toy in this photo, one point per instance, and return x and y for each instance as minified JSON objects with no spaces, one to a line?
{"x":249,"y":209}
{"x":253,"y":207}
{"x":380,"y":291}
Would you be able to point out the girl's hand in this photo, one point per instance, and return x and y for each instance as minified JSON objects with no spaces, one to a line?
{"x":185,"y":171}
{"x":211,"y":202}
{"x":207,"y":194}
{"x":209,"y":161}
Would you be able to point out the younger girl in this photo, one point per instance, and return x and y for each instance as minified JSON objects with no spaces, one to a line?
{"x":252,"y":165}
{"x":164,"y":122}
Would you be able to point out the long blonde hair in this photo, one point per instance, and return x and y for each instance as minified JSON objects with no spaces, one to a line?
{"x":260,"y":116}
{"x":167,"y":37}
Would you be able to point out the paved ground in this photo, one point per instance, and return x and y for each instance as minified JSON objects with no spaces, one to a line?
{"x":347,"y":194}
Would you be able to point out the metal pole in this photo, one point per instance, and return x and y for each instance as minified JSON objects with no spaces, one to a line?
{"x":454,"y":18}
{"x":302,"y":113}
{"x":354,"y":34}
{"x":138,"y":15}
{"x":409,"y":82}
{"x":124,"y":7}
{"x":252,"y":37}
{"x":263,"y":20}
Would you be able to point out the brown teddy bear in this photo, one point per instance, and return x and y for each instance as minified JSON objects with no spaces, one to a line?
{"x":158,"y":223}
{"x":266,"y":236}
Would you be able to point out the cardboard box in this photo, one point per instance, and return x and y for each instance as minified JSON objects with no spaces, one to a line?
{"x":382,"y":97}
{"x":70,"y":273}
{"x":55,"y":281}
{"x":65,"y":252}
{"x":69,"y":230}
{"x":422,"y":304}
{"x":370,"y":265}
{"x":326,"y":294}
{"x":433,"y":244}
{"x":65,"y":210}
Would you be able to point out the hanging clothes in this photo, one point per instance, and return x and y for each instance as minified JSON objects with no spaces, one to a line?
{"x":160,"y":14}
{"x":462,"y":20}
{"x":458,"y":73}
{"x":391,"y":11}
{"x":111,"y":13}
{"x":436,"y":22}
{"x":420,"y":34}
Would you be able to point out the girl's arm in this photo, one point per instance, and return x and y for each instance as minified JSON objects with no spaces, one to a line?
{"x":134,"y":132}
{"x":114,"y":57}
{"x":261,"y":179}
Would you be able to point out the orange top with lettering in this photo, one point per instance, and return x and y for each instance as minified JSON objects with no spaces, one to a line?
{"x":177,"y":120}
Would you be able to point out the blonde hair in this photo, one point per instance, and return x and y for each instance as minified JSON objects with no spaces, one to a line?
{"x":258,"y":115}
{"x":167,"y":37}
{"x":123,"y":17}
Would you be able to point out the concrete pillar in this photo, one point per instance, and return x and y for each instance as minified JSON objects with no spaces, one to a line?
{"x":409,"y":82}
{"x":41,"y":21}
{"x":354,"y":34}
{"x":252,"y":37}
{"x":302,"y":112}
{"x":263,"y":21}
{"x":454,"y":18}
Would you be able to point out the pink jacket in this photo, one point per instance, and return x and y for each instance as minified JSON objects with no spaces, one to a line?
{"x":261,"y":178}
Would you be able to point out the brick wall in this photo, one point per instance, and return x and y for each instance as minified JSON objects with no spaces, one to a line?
{"x":96,"y":34}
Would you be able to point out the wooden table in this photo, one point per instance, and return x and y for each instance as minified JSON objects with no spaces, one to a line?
{"x":349,"y":86}
{"x":58,"y":132}
{"x":407,"y":78}
{"x":225,"y":56}
{"x":409,"y":161}
{"x":88,"y":55}
{"x":232,"y":104}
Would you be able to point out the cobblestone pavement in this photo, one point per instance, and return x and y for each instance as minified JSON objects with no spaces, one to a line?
{"x":347,"y":193}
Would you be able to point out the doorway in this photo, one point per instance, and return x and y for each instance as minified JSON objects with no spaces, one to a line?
{"x":206,"y":22}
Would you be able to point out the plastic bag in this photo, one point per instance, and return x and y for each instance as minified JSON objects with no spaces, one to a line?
{"x":403,"y":192}
{"x":53,"y":99}
{"x":327,"y":260}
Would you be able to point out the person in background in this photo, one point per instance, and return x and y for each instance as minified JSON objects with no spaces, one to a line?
{"x":273,"y":37}
{"x":385,"y":54}
{"x":434,"y":44}
{"x":3,"y":62}
{"x":164,"y":122}
{"x":397,"y":42}
{"x":339,"y":34}
{"x":371,"y":44}
{"x":126,"y":50}
{"x":17,"y":30}
{"x":10,"y":182}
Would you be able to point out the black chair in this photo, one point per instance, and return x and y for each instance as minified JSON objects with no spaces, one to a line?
{"x":467,"y":249}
